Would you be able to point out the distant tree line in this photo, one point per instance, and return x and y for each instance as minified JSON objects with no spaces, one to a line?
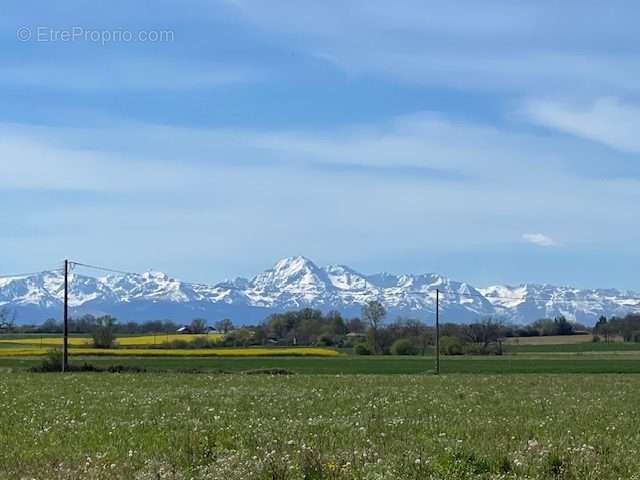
{"x":546,"y":327}
{"x":627,"y":328}
{"x":368,"y":334}
{"x":88,"y":323}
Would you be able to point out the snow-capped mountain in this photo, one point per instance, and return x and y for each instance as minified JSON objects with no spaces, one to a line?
{"x":524,"y":302}
{"x":297,"y":282}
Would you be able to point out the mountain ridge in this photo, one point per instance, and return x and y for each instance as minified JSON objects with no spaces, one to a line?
{"x":297,"y":282}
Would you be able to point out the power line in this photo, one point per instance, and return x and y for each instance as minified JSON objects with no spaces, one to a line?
{"x":104,"y":269}
{"x":30,"y":274}
{"x":138,"y":274}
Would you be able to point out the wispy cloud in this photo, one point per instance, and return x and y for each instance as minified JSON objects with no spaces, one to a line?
{"x":441,"y":45}
{"x":252,"y":183}
{"x":425,"y":143}
{"x":539,"y":239}
{"x":607,"y":120}
{"x":471,"y":178}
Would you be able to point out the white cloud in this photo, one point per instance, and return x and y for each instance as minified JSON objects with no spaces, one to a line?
{"x":539,"y":239}
{"x":606,"y":120}
{"x":122,"y":183}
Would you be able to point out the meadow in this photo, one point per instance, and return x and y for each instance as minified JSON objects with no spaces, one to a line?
{"x":541,"y":411}
{"x":179,"y":426}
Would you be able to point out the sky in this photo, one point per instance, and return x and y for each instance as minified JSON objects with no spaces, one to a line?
{"x":207,"y":139}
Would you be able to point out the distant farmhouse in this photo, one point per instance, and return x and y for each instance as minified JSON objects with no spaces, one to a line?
{"x":187,"y":329}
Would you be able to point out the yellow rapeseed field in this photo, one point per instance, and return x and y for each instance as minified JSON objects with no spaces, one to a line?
{"x":160,"y":338}
{"x":139,"y":340}
{"x":48,"y":341}
{"x":175,"y":352}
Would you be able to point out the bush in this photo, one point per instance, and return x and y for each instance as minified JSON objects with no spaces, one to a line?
{"x":325,"y":341}
{"x":238,"y":338}
{"x":51,"y":363}
{"x":362,"y":349}
{"x":402,"y":346}
{"x":596,"y":338}
{"x":451,"y":346}
{"x":122,"y":369}
{"x":268,"y":371}
{"x":197,"y":342}
{"x":480,"y":349}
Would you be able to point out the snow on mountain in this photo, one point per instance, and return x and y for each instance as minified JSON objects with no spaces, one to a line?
{"x":293,"y":282}
{"x":523,"y":302}
{"x":297,"y":282}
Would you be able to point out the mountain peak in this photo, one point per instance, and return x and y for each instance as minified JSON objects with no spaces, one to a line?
{"x":297,"y":282}
{"x":295,"y":263}
{"x":155,"y":275}
{"x":291,"y":273}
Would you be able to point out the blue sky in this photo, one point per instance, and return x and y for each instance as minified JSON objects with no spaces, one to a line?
{"x":493,"y":144}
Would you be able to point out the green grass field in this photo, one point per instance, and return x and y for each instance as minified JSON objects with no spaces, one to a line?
{"x":575,"y":347}
{"x":180,"y":426}
{"x":543,"y":411}
{"x":507,"y":364}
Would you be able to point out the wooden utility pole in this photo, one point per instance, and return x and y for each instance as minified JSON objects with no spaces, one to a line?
{"x":437,"y":331}
{"x":65,"y":340}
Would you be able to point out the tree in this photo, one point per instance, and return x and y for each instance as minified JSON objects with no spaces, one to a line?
{"x":336,"y":326}
{"x":373,"y":314}
{"x":225,"y":325}
{"x":198,"y":325}
{"x":104,"y":332}
{"x":7,"y":319}
{"x":603,"y":328}
{"x":241,"y":337}
{"x":355,"y":325}
{"x":545,"y":326}
{"x":50,"y":325}
{"x":485,"y":333}
{"x":424,"y":336}
{"x":451,"y":345}
{"x":563,"y":327}
{"x":402,"y":346}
